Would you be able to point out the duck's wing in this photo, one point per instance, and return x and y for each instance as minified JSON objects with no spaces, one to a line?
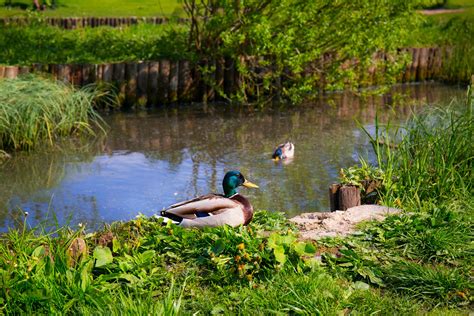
{"x":210,"y":203}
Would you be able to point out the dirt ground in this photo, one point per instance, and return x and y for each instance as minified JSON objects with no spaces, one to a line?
{"x":339,"y":223}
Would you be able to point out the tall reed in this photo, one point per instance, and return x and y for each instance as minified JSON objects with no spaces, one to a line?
{"x":34,"y":110}
{"x":434,"y":159}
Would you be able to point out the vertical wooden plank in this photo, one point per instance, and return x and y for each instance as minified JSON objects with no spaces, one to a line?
{"x":24,"y":70}
{"x":64,"y":73}
{"x":153,"y":74}
{"x":118,"y":76}
{"x":2,"y":71}
{"x":76,"y":75}
{"x":220,"y":66}
{"x":131,"y":79}
{"x":163,"y":81}
{"x":99,"y":73}
{"x":422,"y":64}
{"x":107,"y":71}
{"x":88,"y":74}
{"x":173,"y":85}
{"x":142,"y":84}
{"x":229,"y":76}
{"x":414,"y":64}
{"x":185,"y":81}
{"x":11,"y":72}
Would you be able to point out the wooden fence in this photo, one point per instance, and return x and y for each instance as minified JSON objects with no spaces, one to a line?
{"x":73,"y":23}
{"x":159,"y":82}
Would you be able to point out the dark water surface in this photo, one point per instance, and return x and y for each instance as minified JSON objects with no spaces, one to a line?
{"x":151,"y":160}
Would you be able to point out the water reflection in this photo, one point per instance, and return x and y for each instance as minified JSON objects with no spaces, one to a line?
{"x":151,"y":160}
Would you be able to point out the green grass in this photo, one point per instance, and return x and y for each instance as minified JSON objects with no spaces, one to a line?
{"x":109,"y":8}
{"x":91,"y":45}
{"x":35,"y":110}
{"x":144,"y":267}
{"x":426,"y":253}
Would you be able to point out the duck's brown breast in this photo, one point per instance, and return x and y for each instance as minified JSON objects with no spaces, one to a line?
{"x":247,"y":207}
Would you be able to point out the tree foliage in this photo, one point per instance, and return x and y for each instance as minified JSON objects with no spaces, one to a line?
{"x":287,"y":46}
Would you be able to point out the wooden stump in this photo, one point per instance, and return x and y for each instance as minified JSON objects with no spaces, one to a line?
{"x":349,"y":196}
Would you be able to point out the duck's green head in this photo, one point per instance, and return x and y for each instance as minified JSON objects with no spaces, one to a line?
{"x":234,"y":179}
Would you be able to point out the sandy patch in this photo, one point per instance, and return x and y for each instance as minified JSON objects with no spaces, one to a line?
{"x":339,"y":223}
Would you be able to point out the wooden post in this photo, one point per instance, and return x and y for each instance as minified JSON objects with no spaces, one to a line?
{"x":76,"y":75}
{"x":185,"y":81}
{"x":334,"y":196}
{"x":24,"y":70}
{"x":414,"y":64}
{"x":88,"y":74}
{"x":99,"y":73}
{"x":153,"y":74}
{"x":107,"y":71}
{"x":220,"y":65}
{"x":422,"y":64}
{"x":2,"y":71}
{"x":131,"y":78}
{"x":173,"y":85}
{"x":142,"y":84}
{"x":163,"y":80}
{"x":229,"y":76}
{"x":349,"y":196}
{"x":11,"y":72}
{"x":210,"y":92}
{"x":118,"y":76}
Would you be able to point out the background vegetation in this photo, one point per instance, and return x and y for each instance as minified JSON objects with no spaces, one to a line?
{"x":283,"y":48}
{"x":97,"y":8}
{"x":41,"y":43}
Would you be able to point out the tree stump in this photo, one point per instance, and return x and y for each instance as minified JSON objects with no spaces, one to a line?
{"x":349,"y":196}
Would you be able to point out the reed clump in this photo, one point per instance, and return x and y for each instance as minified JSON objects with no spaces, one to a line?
{"x":36,"y":110}
{"x":428,"y":171}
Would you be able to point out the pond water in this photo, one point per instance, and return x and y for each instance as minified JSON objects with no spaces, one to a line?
{"x":153,"y":159}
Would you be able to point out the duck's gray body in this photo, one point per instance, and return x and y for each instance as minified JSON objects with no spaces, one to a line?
{"x":233,"y":211}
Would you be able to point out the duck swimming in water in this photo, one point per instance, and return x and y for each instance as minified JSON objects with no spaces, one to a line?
{"x":284,"y":151}
{"x":213,"y":210}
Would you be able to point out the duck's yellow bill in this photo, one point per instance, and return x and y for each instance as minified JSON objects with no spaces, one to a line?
{"x":249,"y":184}
{"x":276,"y":158}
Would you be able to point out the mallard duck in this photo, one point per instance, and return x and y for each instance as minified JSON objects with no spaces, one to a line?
{"x":284,"y":151}
{"x":213,"y":210}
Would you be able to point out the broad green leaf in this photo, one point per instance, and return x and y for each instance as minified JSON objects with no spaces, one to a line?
{"x":279,"y":252}
{"x":103,"y":256}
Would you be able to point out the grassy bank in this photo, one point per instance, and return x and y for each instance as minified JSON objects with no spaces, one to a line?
{"x":34,"y":110}
{"x":90,"y":45}
{"x":98,"y":8}
{"x":419,"y":262}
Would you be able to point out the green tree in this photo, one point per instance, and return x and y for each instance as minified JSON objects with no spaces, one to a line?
{"x":289,"y":47}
